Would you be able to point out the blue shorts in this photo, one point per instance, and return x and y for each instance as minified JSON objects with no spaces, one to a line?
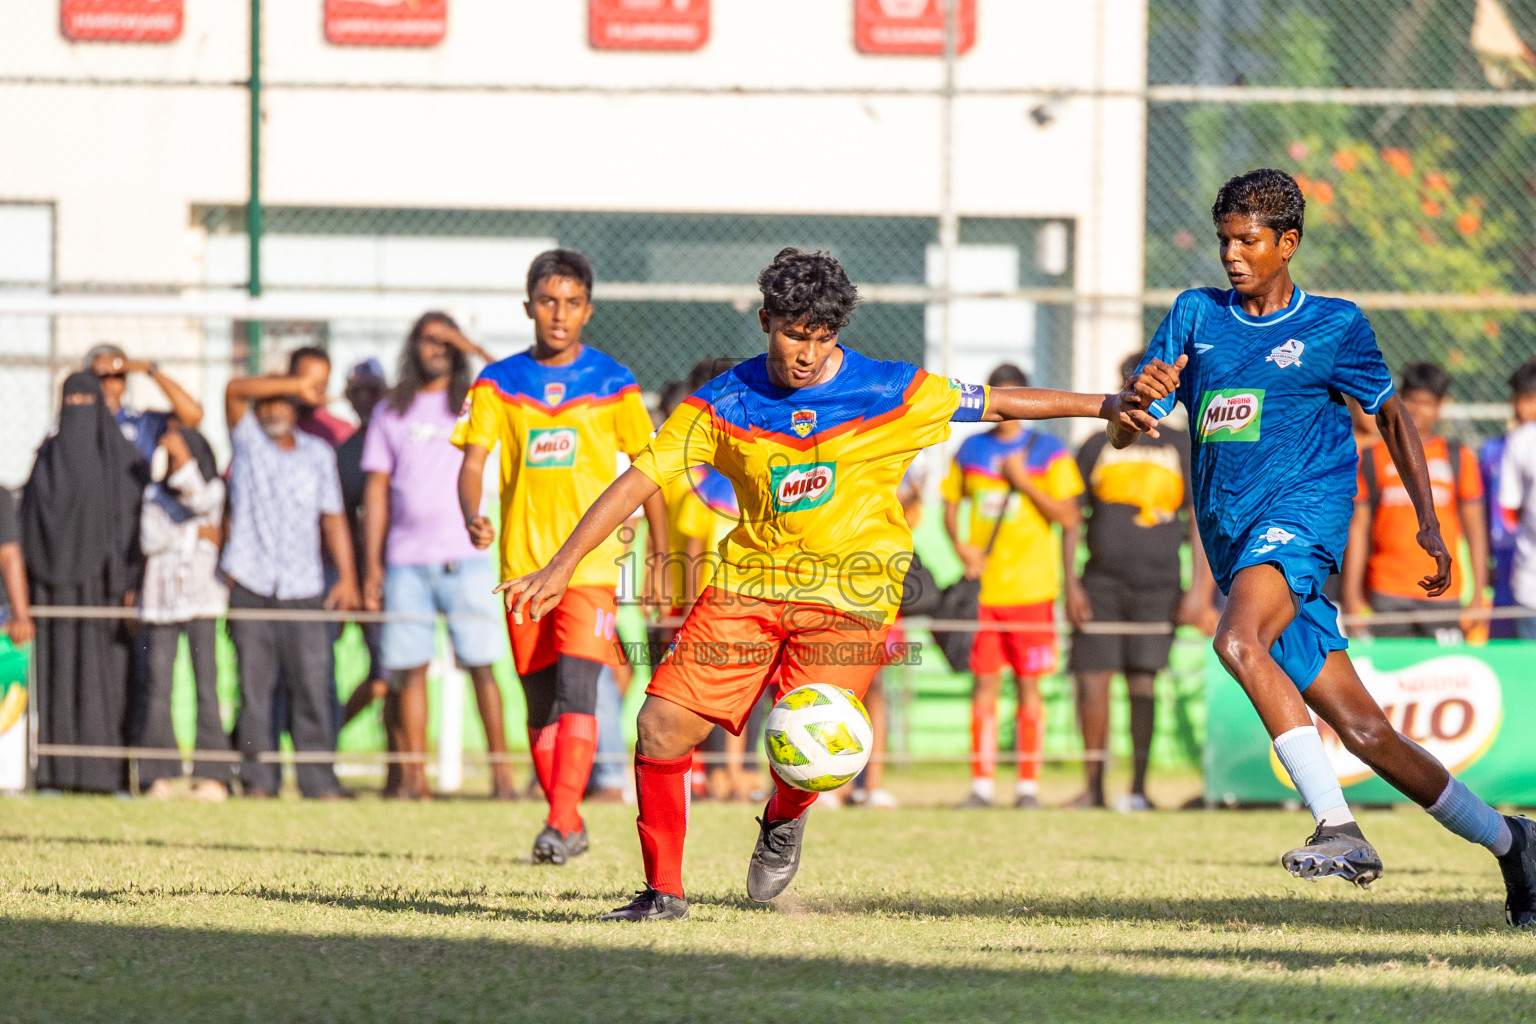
{"x":1314,"y":633}
{"x":464,"y":596}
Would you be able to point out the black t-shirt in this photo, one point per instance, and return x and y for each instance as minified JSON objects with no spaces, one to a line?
{"x":1134,"y":497}
{"x":349,"y":467}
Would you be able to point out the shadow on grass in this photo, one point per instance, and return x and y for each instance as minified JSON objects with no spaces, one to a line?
{"x":68,"y":970}
{"x":172,"y":844}
{"x":1358,"y":913}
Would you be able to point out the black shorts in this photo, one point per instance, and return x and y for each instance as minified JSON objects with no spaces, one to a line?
{"x":1113,"y":601}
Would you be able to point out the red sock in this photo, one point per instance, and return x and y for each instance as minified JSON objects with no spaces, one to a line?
{"x":575,"y":745}
{"x":1027,"y":722}
{"x":983,"y":740}
{"x":541,"y":744}
{"x":787,"y":801}
{"x":661,"y":790}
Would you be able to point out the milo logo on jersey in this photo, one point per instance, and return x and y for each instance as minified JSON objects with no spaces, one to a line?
{"x":800,"y":488}
{"x":1231,"y":415}
{"x":551,"y":447}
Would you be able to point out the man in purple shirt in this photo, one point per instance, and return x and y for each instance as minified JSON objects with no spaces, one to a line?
{"x":420,"y":561}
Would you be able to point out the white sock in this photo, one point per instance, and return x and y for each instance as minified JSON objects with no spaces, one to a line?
{"x":1460,"y":811}
{"x":1026,"y":787}
{"x":1301,"y":752}
{"x":984,"y":788}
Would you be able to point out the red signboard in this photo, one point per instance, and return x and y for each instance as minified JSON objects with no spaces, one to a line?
{"x":648,"y":24}
{"x":121,"y":21}
{"x":386,"y":22}
{"x":910,"y":26}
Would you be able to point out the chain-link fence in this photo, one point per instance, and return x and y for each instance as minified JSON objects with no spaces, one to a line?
{"x":1411,"y":128}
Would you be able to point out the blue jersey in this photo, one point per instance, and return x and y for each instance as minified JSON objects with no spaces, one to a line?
{"x":1273,"y":457}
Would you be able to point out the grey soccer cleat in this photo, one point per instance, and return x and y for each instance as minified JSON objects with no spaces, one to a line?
{"x":1336,"y":851}
{"x":555,"y":847}
{"x":776,"y":857}
{"x":1519,"y":869}
{"x":650,"y":905}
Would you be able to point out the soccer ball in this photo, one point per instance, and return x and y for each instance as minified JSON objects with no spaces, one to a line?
{"x":818,"y":737}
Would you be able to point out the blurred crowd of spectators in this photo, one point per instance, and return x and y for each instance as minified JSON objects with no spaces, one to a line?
{"x":127,"y":508}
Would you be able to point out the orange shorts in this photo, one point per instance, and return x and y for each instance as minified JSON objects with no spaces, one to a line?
{"x":582,"y":624}
{"x":730,"y":647}
{"x":1027,"y":652}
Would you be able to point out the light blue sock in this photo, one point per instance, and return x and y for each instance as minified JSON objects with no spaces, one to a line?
{"x":1464,"y":813}
{"x":1301,"y":751}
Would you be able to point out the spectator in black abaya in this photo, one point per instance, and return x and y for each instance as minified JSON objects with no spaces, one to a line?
{"x":80,"y":536}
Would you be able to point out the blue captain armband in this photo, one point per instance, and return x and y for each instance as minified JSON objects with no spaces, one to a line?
{"x":973,"y":402}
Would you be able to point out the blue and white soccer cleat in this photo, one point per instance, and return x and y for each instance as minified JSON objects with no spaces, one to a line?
{"x":1519,"y":869}
{"x":1336,"y":851}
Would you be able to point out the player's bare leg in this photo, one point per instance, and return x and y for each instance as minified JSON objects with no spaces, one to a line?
{"x":1260,"y":606}
{"x":412,"y":711}
{"x":1029,"y":741}
{"x":1141,"y":691}
{"x":488,"y":703}
{"x":984,"y":740}
{"x":666,"y":736}
{"x":1093,"y":722}
{"x":1342,"y":701}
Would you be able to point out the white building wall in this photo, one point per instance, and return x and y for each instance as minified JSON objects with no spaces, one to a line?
{"x":124,"y":164}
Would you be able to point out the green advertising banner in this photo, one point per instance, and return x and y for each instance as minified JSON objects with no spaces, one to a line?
{"x":1466,"y":705}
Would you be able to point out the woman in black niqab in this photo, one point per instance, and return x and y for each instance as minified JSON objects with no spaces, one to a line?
{"x":80,"y":536}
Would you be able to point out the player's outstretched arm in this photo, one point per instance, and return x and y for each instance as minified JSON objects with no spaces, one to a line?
{"x":538,"y":592}
{"x":1125,"y":410}
{"x":1407,"y":452}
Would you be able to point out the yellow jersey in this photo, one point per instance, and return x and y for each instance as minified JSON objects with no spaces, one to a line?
{"x":815,"y":472}
{"x":1024,"y":566}
{"x":560,"y":429}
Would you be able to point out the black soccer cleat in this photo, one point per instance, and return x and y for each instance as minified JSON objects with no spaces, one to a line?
{"x":1519,"y":869}
{"x":776,"y":857}
{"x":650,"y":905}
{"x":576,"y":842}
{"x":1336,"y":851}
{"x":554,"y":847}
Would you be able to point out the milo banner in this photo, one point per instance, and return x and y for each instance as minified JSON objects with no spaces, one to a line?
{"x":13,"y":717}
{"x":1468,"y":706}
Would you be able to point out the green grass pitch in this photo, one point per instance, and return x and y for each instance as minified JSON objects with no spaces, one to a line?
{"x":284,"y":911}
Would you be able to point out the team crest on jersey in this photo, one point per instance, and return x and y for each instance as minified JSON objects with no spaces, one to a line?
{"x":554,"y":393}
{"x":803,"y":421}
{"x":1288,"y":354}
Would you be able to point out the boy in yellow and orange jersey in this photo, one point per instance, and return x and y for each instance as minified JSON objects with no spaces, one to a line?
{"x":562,"y":414}
{"x":814,"y":439}
{"x":1020,"y":483}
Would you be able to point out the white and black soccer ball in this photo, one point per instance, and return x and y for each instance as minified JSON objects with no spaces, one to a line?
{"x":818,"y":737}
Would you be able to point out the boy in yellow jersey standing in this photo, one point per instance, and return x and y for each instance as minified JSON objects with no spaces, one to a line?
{"x":1020,"y":483}
{"x":815,"y":439}
{"x":561,"y":413}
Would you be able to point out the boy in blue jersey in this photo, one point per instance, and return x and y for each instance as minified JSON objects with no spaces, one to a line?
{"x":1274,"y":480}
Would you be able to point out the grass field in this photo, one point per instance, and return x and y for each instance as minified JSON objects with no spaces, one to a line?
{"x":137,"y":911}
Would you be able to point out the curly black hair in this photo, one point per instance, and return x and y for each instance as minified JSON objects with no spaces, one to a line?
{"x":1270,"y":195}
{"x":411,"y":377}
{"x":808,"y":288}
